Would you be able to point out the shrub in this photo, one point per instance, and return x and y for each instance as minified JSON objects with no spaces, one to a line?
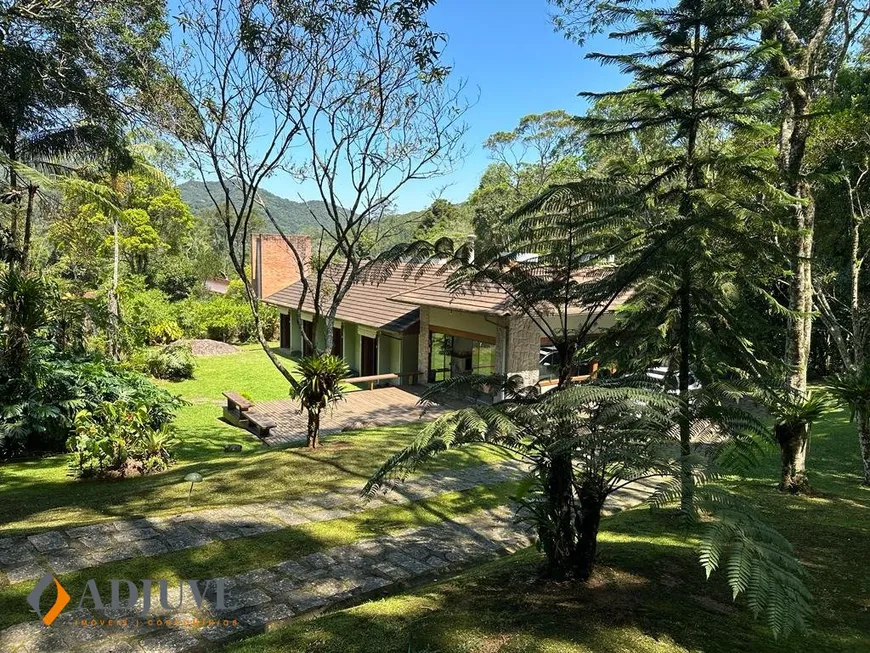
{"x":174,"y":362}
{"x":38,"y":412}
{"x":119,"y":439}
{"x":162,"y":333}
{"x":149,"y":318}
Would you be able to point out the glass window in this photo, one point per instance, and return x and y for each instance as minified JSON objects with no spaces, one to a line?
{"x":440,"y":357}
{"x":483,"y":358}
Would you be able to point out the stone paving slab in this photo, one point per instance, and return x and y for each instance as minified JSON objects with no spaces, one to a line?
{"x":24,"y":558}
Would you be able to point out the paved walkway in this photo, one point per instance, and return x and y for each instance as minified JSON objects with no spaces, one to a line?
{"x":388,"y":406}
{"x":28,"y":557}
{"x":272,"y":596}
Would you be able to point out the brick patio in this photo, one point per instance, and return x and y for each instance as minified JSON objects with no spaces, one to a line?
{"x":387,"y":406}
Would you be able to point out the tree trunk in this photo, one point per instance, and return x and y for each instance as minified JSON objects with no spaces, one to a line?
{"x":114,"y":340}
{"x":801,"y":294}
{"x":588,"y":522}
{"x":687,"y":481}
{"x":793,"y":442}
{"x":862,"y":416}
{"x":855,"y":295}
{"x":313,"y":429}
{"x":13,"y":185}
{"x":28,"y":226}
{"x":559,"y":537}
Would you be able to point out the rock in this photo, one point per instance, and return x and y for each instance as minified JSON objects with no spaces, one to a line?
{"x":211,"y":347}
{"x":357,"y":426}
{"x":232,"y":448}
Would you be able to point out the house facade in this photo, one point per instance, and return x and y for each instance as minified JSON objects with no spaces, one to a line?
{"x":412,"y":326}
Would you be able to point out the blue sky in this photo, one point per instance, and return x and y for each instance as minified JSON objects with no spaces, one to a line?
{"x":508,"y":52}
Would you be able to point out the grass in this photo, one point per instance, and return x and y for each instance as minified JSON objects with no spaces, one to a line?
{"x":648,"y":594}
{"x":40,"y":495}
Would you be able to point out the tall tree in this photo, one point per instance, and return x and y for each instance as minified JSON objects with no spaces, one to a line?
{"x":542,"y":149}
{"x":839,"y":155}
{"x":585,"y":441}
{"x":349,"y":96}
{"x":811,"y":41}
{"x":67,"y":69}
{"x":686,"y":242}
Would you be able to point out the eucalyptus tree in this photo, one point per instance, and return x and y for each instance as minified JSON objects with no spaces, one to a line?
{"x":541,"y":150}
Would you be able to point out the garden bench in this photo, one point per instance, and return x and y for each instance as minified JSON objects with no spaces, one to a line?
{"x":372,"y":379}
{"x":261,"y":425}
{"x":235,"y":412}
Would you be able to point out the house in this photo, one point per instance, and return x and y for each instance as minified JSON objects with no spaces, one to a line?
{"x":411,"y":325}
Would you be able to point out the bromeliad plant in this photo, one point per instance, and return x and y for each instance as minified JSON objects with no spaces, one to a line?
{"x":319,"y":385}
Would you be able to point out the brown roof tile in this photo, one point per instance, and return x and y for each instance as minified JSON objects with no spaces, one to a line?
{"x":393,"y":303}
{"x":367,"y":302}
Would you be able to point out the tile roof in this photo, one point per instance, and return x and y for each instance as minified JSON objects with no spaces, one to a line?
{"x":393,"y":303}
{"x":367,"y":302}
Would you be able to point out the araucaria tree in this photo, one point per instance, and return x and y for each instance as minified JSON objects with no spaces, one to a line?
{"x":684,"y":232}
{"x":350,"y":97}
{"x":586,"y":441}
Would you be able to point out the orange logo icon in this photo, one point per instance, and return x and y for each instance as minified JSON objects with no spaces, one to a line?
{"x":59,"y":603}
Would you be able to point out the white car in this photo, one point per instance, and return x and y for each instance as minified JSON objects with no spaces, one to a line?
{"x":660,"y":375}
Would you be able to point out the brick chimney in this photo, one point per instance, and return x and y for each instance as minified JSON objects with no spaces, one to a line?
{"x":274,"y":265}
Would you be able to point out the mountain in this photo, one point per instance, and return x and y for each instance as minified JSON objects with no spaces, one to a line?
{"x":293,"y":217}
{"x":297,"y":218}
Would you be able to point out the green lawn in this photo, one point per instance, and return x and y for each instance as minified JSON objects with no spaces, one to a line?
{"x":649,"y":592}
{"x":40,"y":494}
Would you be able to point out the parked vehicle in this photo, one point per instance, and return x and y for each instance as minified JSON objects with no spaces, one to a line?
{"x":670,"y":380}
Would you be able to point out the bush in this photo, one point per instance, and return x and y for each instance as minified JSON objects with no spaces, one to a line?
{"x":174,"y":362}
{"x":38,"y":412}
{"x":119,"y":439}
{"x":148,"y":317}
{"x":162,"y":333}
{"x":226,"y":318}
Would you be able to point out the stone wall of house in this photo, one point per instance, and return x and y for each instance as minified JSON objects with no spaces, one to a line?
{"x":273,"y":264}
{"x":523,"y":349}
{"x":423,"y":346}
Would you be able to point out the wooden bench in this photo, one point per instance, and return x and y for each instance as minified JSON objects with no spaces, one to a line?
{"x":372,"y":379}
{"x":261,"y":425}
{"x":235,"y":412}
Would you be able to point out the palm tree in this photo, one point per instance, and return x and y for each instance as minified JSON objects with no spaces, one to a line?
{"x":794,"y":414}
{"x":318,"y":386}
{"x":582,"y":443}
{"x":54,"y":153}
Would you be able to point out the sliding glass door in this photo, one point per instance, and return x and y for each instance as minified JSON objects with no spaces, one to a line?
{"x":451,"y":356}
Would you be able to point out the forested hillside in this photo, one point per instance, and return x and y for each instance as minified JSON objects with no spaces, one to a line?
{"x":294,"y":217}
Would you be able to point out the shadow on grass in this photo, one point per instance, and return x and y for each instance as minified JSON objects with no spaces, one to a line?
{"x":648,"y":593}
